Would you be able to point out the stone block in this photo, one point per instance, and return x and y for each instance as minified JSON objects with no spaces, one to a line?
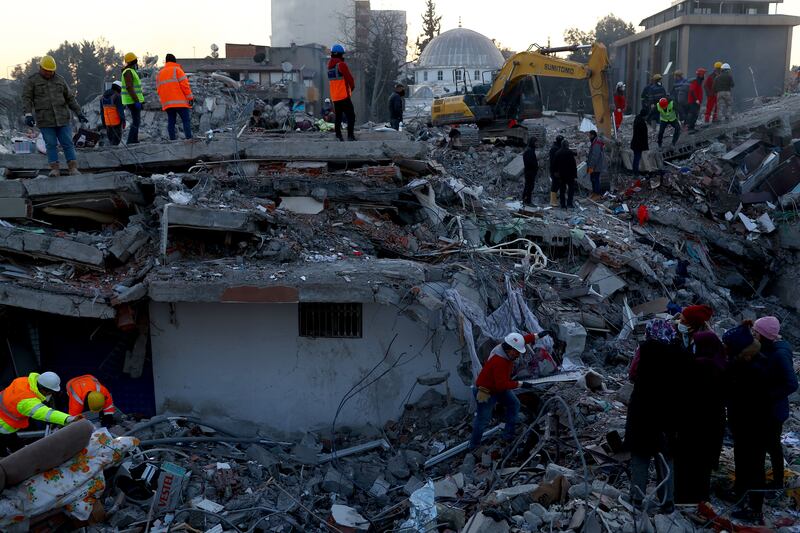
{"x":480,"y":523}
{"x":337,"y":482}
{"x":515,"y":169}
{"x":15,"y":207}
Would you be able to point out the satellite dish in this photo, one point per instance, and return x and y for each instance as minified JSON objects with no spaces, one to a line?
{"x":259,"y":57}
{"x":287,"y":67}
{"x":214,"y":48}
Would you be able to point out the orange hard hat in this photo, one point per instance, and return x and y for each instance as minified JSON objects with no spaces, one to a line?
{"x":663,"y":103}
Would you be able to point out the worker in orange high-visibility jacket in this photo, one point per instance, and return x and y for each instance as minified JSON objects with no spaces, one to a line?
{"x":341,"y":84}
{"x":176,"y":96}
{"x":112,"y":113}
{"x":24,"y":399}
{"x":86,"y":393}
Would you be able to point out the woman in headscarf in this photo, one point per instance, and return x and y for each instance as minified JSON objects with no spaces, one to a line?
{"x":651,"y":422}
{"x":702,"y":410}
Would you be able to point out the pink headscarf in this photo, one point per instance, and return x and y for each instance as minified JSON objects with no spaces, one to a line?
{"x":768,"y":327}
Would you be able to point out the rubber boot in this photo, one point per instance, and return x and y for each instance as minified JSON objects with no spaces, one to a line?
{"x":55,"y":171}
{"x":554,"y":199}
{"x":73,"y":168}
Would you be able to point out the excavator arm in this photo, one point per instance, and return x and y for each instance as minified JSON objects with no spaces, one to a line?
{"x":533,"y":63}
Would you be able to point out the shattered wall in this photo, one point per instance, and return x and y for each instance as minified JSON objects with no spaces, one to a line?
{"x":247,"y":362}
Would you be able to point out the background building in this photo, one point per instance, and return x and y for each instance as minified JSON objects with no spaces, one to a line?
{"x":691,"y":34}
{"x":309,"y":21}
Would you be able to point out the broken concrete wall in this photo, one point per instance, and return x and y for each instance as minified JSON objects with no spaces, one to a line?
{"x":260,"y":370}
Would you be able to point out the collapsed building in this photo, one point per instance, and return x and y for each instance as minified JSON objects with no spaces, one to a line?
{"x":298,"y":322}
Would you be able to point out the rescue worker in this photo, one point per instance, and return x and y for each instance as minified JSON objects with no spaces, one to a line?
{"x":640,"y":142}
{"x":668,"y":117}
{"x":620,"y":103}
{"x":112,"y":113}
{"x":723,"y":85}
{"x":24,"y":399}
{"x":651,"y":95}
{"x":567,"y":172}
{"x":494,"y":384}
{"x":396,"y":106}
{"x":782,"y":383}
{"x":711,"y":97}
{"x":327,"y":111}
{"x":596,"y":163}
{"x":531,"y":165}
{"x":47,"y":101}
{"x":132,"y":96}
{"x":86,"y":392}
{"x":342,"y":85}
{"x":555,"y":186}
{"x":695,"y":98}
{"x":680,"y":95}
{"x":176,"y":96}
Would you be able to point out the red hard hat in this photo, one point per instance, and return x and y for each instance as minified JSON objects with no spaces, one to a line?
{"x":663,"y":103}
{"x":701,"y":71}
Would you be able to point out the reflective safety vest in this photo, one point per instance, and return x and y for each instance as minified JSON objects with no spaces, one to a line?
{"x":22,"y":400}
{"x":137,"y":87}
{"x":668,"y":114}
{"x":78,"y":388}
{"x":173,"y":87}
{"x":338,"y":85}
{"x":111,"y":115}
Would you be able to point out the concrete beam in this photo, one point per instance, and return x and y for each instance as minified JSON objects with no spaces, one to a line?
{"x":185,"y":216}
{"x":184,"y":154}
{"x":55,"y":303}
{"x":12,"y":189}
{"x":123,"y":183}
{"x":50,"y":247}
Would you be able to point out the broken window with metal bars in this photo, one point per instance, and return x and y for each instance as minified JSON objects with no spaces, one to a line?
{"x":331,"y":320}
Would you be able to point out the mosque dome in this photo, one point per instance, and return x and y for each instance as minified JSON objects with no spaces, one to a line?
{"x":461,"y":47}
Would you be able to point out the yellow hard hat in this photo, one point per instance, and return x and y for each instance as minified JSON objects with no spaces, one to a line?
{"x":130,"y":56}
{"x":95,"y":401}
{"x":656,"y":77}
{"x":718,"y":64}
{"x":48,"y":63}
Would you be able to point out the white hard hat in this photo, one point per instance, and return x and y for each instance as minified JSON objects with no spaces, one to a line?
{"x":117,"y":83}
{"x":620,"y":84}
{"x":327,"y":100}
{"x":49,"y":380}
{"x":516,"y":341}
{"x":726,"y":66}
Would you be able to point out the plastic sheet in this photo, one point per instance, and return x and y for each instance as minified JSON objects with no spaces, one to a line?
{"x":423,"y":510}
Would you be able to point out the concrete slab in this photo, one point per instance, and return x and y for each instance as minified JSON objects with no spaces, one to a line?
{"x":84,"y":184}
{"x":514,"y":169}
{"x":50,"y":247}
{"x":12,"y":189}
{"x":128,"y":241}
{"x":209,"y":219}
{"x":15,"y":208}
{"x":55,"y":303}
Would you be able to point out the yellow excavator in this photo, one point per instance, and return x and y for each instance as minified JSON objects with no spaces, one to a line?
{"x":514,"y":94}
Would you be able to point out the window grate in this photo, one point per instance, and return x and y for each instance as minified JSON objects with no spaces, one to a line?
{"x":331,"y":320}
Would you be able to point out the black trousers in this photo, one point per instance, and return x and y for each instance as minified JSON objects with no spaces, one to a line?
{"x":567,"y":188}
{"x":395,"y":123}
{"x":749,"y":451}
{"x":692,"y":115}
{"x":114,"y":134}
{"x":676,"y":131}
{"x":344,"y":108}
{"x":9,"y":443}
{"x":527,"y":191}
{"x":774,"y":448}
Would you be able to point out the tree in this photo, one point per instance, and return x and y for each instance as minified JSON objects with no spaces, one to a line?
{"x":431,"y":26}
{"x":608,"y":30}
{"x":85,"y":66}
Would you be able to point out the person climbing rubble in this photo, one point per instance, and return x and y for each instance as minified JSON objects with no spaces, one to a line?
{"x":566,"y":168}
{"x":668,"y":117}
{"x":342,"y":84}
{"x":596,"y":163}
{"x":555,"y":185}
{"x":620,"y":104}
{"x":47,"y":101}
{"x":695,"y":98}
{"x":531,"y":165}
{"x":782,"y":383}
{"x":87,"y":393}
{"x":723,"y":85}
{"x":494,"y":385}
{"x":711,"y":96}
{"x":650,"y":427}
{"x":176,"y":96}
{"x":25,"y":398}
{"x":112,"y":113}
{"x":132,"y":95}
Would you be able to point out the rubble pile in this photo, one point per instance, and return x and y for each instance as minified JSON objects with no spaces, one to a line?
{"x":442,"y":238}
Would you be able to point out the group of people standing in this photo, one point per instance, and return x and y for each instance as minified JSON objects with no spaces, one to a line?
{"x":688,"y":386}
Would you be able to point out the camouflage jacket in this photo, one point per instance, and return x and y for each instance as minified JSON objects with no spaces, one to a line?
{"x":49,"y":100}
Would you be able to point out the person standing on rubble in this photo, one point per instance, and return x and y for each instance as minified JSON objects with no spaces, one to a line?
{"x":342,"y":84}
{"x":567,"y":173}
{"x":668,"y":117}
{"x":176,"y":96}
{"x":396,"y":106}
{"x":747,"y":395}
{"x":25,"y":398}
{"x":531,"y":170}
{"x":651,"y":424}
{"x":596,"y":163}
{"x":112,"y":113}
{"x":711,"y":97}
{"x":555,"y":185}
{"x":680,"y":95}
{"x":620,"y":104}
{"x":695,"y":98}
{"x":651,"y":95}
{"x":782,"y":384}
{"x":723,"y":85}
{"x":640,"y":141}
{"x":47,"y":102}
{"x":86,"y":392}
{"x":702,"y":407}
{"x":132,"y":95}
{"x":494,"y":385}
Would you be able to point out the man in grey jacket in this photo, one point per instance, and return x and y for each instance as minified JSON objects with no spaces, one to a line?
{"x":723,"y":85}
{"x":596,"y":163}
{"x":47,"y":102}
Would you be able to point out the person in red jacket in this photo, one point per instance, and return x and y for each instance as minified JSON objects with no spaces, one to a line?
{"x":494,"y":384}
{"x":341,"y":84}
{"x":620,"y":103}
{"x":711,"y":96}
{"x":695,"y":98}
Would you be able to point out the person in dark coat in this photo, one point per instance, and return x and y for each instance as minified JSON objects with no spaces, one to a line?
{"x":639,"y":140}
{"x":531,"y":170}
{"x":782,"y":384}
{"x":396,"y":106}
{"x":702,"y":406}
{"x":651,"y":422}
{"x":747,"y":386}
{"x":567,"y":173}
{"x":554,"y":183}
